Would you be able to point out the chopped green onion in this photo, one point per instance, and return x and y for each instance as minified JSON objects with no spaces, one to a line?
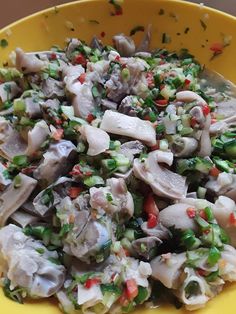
{"x":17,"y":181}
{"x":142,"y":295}
{"x":209,"y":214}
{"x":93,"y":181}
{"x":214,"y":256}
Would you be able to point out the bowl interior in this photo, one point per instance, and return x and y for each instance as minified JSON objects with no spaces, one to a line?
{"x":186,"y":25}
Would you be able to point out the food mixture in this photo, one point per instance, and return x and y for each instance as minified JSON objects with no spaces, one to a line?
{"x":117,"y":177}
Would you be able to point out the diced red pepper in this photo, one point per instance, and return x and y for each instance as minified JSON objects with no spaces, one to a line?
{"x":201,"y":272}
{"x":213,"y":120}
{"x":206,"y":110}
{"x":214,"y":172}
{"x":217,"y":48}
{"x":28,"y":170}
{"x":202,"y":214}
{"x":76,"y":171}
{"x":58,"y":121}
{"x":127,"y":252}
{"x":232,"y":219}
{"x":82,"y":77}
{"x":155,"y":147}
{"x":90,"y":118}
{"x":191,"y":212}
{"x":117,"y":58}
{"x":206,"y":231}
{"x":58,"y":134}
{"x":80,"y":59}
{"x":131,"y":289}
{"x":53,"y":56}
{"x":161,"y":102}
{"x":187,"y":82}
{"x":150,"y":206}
{"x":75,"y":191}
{"x":193,"y":122}
{"x":150,"y":79}
{"x":123,"y":299}
{"x":92,"y":282}
{"x":152,"y":221}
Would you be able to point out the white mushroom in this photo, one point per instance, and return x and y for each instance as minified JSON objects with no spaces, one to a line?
{"x":124,"y":44}
{"x":120,"y":124}
{"x":8,"y":91}
{"x":189,"y":96}
{"x":162,"y":181}
{"x":167,"y":268}
{"x":98,"y":140}
{"x":28,"y":63}
{"x":12,"y":198}
{"x":37,"y":136}
{"x":205,"y":141}
{"x":184,"y":146}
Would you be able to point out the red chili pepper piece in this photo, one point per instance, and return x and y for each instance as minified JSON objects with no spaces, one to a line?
{"x":90,"y":118}
{"x":150,"y":206}
{"x":82,"y":77}
{"x":206,"y":110}
{"x":152,"y":221}
{"x":80,"y":59}
{"x":131,"y":289}
{"x":91,"y":282}
{"x":161,"y":102}
{"x":191,"y":212}
{"x":232,"y":219}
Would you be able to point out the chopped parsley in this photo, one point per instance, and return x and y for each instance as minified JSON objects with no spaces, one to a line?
{"x":3,"y":43}
{"x":136,"y":29}
{"x":203,"y":25}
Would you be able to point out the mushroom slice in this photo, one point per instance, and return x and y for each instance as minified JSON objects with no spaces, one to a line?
{"x":57,"y":161}
{"x":162,"y":181}
{"x":167,"y":268}
{"x":28,"y":63}
{"x":146,"y":247}
{"x":8,"y":91}
{"x":189,"y":96}
{"x":124,"y":45}
{"x":13,"y":146}
{"x":120,"y":124}
{"x":26,"y":268}
{"x":98,"y":140}
{"x":12,"y":198}
{"x":37,"y":136}
{"x":23,"y":219}
{"x":184,"y":146}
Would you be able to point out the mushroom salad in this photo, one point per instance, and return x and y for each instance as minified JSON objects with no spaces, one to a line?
{"x":117,"y":177}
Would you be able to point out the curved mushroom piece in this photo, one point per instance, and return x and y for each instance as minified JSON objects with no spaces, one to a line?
{"x":200,"y":297}
{"x":25,"y":267}
{"x":228,"y":267}
{"x":28,"y":63}
{"x":167,"y":268}
{"x":223,"y":125}
{"x":12,"y":198}
{"x":32,"y":108}
{"x":159,"y":231}
{"x":89,"y":240}
{"x":145,"y":43}
{"x":13,"y":146}
{"x":197,"y":113}
{"x":205,"y":141}
{"x":23,"y":219}
{"x":146,"y":247}
{"x":96,"y":43}
{"x":162,"y":181}
{"x":131,"y":149}
{"x":98,"y":140}
{"x":189,"y":96}
{"x":51,"y":196}
{"x":56,"y":162}
{"x":113,"y":199}
{"x":83,"y":103}
{"x":8,"y":91}
{"x":184,"y":146}
{"x":124,"y":44}
{"x":52,"y":88}
{"x":120,"y":124}
{"x":107,"y":104}
{"x":224,"y":184}
{"x":37,"y":136}
{"x":224,"y":207}
{"x":176,"y":215}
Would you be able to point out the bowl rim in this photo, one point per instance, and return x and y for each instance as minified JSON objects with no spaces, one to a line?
{"x":71,"y":3}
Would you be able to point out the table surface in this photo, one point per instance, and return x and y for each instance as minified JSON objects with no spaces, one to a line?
{"x":11,"y":10}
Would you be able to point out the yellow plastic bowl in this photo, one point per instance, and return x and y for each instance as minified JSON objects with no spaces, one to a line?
{"x":190,"y":26}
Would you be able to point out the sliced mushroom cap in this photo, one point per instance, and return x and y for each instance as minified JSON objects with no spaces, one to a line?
{"x":23,"y":219}
{"x":124,"y":44}
{"x":13,"y":146}
{"x":184,"y":146}
{"x":176,"y":215}
{"x":189,"y":96}
{"x":37,"y":136}
{"x":8,"y":91}
{"x":98,"y":140}
{"x":205,"y":141}
{"x":57,"y":161}
{"x":28,"y":63}
{"x":107,"y":104}
{"x":4,"y":179}
{"x":145,"y":43}
{"x":89,"y":239}
{"x":197,"y":113}
{"x":223,"y":125}
{"x":83,"y":102}
{"x":5,"y":129}
{"x":162,"y":181}
{"x":12,"y":198}
{"x":167,"y":268}
{"x":27,"y":268}
{"x":146,"y":247}
{"x":131,"y":149}
{"x":32,"y":108}
{"x":120,"y":124}
{"x":52,"y":88}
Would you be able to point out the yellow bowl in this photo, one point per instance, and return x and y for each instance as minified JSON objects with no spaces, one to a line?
{"x":190,"y":26}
